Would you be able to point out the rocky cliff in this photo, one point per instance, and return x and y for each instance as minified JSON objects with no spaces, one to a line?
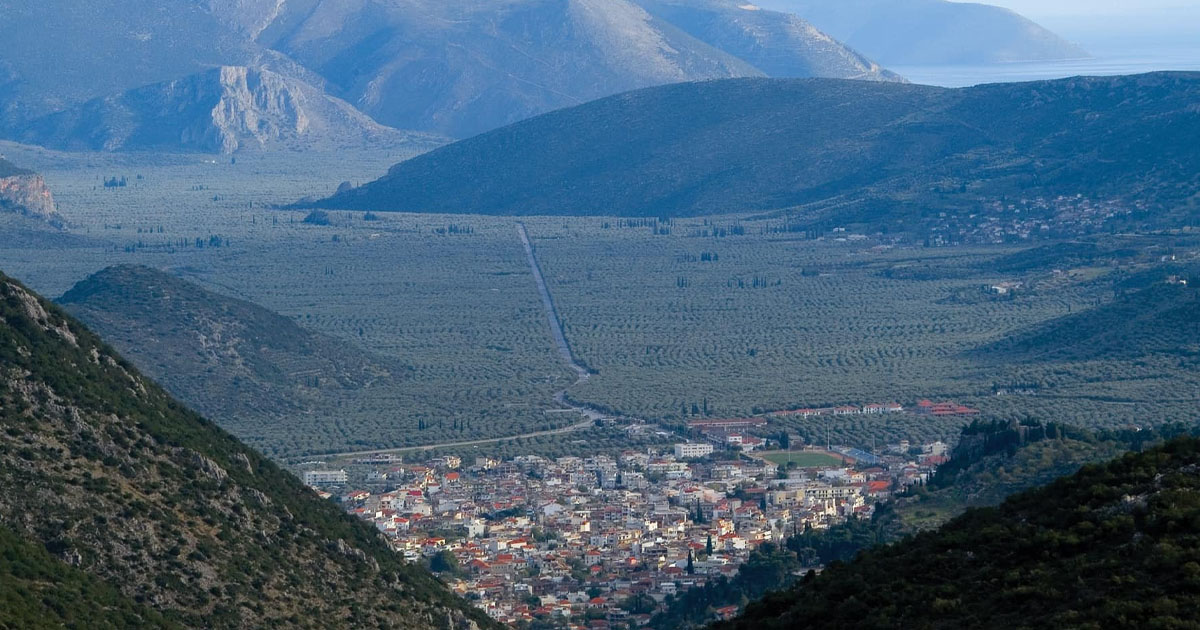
{"x":25,"y":192}
{"x":226,"y":109}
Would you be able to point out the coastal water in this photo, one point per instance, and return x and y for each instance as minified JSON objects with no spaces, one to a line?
{"x":1124,"y":63}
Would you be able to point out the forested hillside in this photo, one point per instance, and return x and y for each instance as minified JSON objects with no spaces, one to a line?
{"x":107,"y":473}
{"x":1113,"y":545}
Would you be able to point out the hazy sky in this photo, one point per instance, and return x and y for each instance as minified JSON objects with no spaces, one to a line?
{"x":1034,"y":8}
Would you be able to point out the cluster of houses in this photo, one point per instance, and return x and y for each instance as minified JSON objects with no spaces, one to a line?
{"x":1030,"y":218}
{"x":601,"y":541}
{"x":845,"y":410}
{"x":924,"y":407}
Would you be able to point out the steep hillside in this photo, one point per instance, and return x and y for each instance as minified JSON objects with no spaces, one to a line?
{"x":221,"y":111}
{"x":39,"y":591}
{"x":460,"y":68}
{"x":25,"y":193}
{"x":879,"y":154}
{"x":247,"y":368}
{"x":932,"y":32}
{"x":110,"y":475}
{"x":1107,"y":547}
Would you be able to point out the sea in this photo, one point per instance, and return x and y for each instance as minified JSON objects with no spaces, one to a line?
{"x":1135,"y":62}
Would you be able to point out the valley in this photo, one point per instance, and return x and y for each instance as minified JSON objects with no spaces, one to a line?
{"x":722,"y":316}
{"x":597,"y":315}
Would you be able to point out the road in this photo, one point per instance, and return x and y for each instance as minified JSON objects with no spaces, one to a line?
{"x":428,"y":447}
{"x":560,"y":340}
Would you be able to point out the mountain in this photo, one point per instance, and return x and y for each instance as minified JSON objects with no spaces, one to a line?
{"x":221,"y":110}
{"x":1106,"y":547}
{"x":779,"y":44}
{"x":460,"y":68}
{"x":869,"y":153}
{"x":25,"y":193}
{"x":144,"y":75}
{"x":253,"y":371}
{"x":932,"y":32}
{"x":102,"y":469}
{"x":60,"y":53}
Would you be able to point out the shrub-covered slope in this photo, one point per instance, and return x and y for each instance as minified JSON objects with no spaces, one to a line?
{"x":109,"y":474}
{"x":249,"y":369}
{"x":1114,"y":545}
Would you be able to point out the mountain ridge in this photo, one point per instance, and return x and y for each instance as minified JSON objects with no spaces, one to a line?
{"x":871,"y":152}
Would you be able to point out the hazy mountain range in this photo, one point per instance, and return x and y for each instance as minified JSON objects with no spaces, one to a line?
{"x":932,"y":32}
{"x":226,"y":75}
{"x":849,"y":151}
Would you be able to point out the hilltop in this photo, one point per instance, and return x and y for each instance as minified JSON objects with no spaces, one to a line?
{"x":867,"y":154}
{"x":253,"y":371}
{"x":1101,"y":548}
{"x":105,"y":471}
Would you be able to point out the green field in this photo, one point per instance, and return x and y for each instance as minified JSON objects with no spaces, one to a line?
{"x":802,"y":459}
{"x":729,"y":314}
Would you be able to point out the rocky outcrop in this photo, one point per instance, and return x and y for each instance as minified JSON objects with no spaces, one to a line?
{"x":223,"y":110}
{"x":25,"y":192}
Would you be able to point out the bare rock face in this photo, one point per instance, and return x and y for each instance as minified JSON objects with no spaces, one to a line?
{"x":223,"y":110}
{"x":25,"y":192}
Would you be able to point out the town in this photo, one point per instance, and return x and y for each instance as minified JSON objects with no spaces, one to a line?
{"x":607,"y":541}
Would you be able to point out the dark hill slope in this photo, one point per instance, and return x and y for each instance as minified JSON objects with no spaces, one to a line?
{"x":1112,"y":546}
{"x":253,"y":371}
{"x":8,"y":169}
{"x":870,"y":152}
{"x":104,"y":470}
{"x":1163,"y":319}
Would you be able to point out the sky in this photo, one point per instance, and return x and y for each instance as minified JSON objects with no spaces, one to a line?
{"x":1116,"y":25}
{"x":1040,"y":8}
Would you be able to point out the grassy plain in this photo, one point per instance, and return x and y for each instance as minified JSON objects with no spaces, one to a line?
{"x":672,"y":321}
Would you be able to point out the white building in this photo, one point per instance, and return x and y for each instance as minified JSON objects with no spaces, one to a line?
{"x":693,"y":449}
{"x":325,"y":478}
